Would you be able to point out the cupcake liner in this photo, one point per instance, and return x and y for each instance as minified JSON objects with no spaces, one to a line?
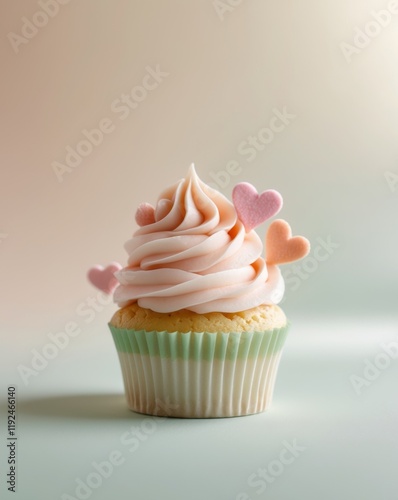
{"x":199,"y":375}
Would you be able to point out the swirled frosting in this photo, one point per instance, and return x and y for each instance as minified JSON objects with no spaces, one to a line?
{"x":196,"y":255}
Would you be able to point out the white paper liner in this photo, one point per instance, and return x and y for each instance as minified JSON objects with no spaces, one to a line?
{"x":189,"y":388}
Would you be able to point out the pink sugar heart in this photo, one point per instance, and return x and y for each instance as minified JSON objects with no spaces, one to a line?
{"x":281,"y":247}
{"x":103,"y":277}
{"x":145,"y":214}
{"x":253,"y":208}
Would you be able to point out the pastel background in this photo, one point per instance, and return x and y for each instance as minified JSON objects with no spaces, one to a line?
{"x":225,"y":68}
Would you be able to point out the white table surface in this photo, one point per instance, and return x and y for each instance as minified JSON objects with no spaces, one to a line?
{"x":73,"y":413}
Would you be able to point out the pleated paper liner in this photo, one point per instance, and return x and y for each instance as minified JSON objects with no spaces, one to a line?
{"x":199,"y":375}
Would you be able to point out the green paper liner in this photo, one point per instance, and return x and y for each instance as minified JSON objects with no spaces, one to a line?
{"x":199,"y":374}
{"x":199,"y":345}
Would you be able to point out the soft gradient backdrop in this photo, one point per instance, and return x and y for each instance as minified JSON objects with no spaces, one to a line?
{"x":225,"y":79}
{"x":223,"y":76}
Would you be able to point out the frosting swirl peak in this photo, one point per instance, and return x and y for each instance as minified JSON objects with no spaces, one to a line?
{"x":196,"y":255}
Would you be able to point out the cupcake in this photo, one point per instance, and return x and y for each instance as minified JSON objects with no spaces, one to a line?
{"x":198,"y":332}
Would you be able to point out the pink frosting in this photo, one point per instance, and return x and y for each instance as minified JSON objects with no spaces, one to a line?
{"x":197,"y":255}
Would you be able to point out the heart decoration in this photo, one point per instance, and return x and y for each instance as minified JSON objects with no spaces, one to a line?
{"x":103,"y":277}
{"x":281,"y":247}
{"x":145,"y":214}
{"x":252,"y":208}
